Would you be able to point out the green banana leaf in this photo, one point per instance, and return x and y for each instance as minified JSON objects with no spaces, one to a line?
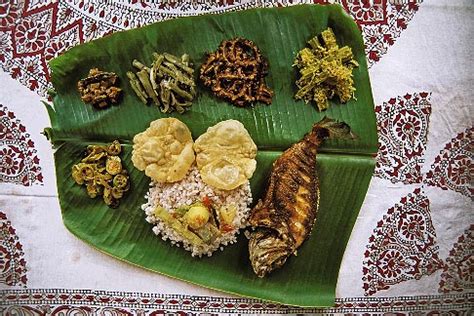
{"x":345,"y":167}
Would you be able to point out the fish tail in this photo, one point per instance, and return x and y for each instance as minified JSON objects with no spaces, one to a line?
{"x":267,"y":251}
{"x":330,"y":128}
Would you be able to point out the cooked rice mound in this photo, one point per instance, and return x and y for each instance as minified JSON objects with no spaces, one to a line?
{"x":190,"y":190}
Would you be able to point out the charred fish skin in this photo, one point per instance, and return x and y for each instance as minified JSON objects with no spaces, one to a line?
{"x":284,"y":218}
{"x":271,"y":251}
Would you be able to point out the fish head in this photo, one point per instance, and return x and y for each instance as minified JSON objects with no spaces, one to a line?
{"x":268,"y":250}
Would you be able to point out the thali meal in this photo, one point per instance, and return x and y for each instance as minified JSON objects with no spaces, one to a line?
{"x":225,"y":155}
{"x":201,"y":207}
{"x":168,"y":82}
{"x":164,"y":150}
{"x":102,"y":172}
{"x":220,"y":130}
{"x":99,"y":88}
{"x":199,"y":197}
{"x":236,"y":73}
{"x":284,"y":218}
{"x":325,"y":71}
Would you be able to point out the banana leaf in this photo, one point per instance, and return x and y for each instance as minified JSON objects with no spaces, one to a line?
{"x":345,"y":167}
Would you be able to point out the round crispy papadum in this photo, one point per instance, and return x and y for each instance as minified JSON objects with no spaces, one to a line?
{"x":164,"y":150}
{"x":225,"y":155}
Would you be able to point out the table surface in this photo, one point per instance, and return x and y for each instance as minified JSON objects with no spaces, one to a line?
{"x":411,"y":248}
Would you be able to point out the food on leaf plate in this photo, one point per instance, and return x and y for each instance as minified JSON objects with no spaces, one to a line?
{"x":102,"y":172}
{"x":197,"y":216}
{"x":99,"y":88}
{"x":325,"y":71}
{"x":168,"y":82}
{"x":236,"y":72}
{"x":164,"y":150}
{"x":225,"y":155}
{"x":200,"y":215}
{"x":283,"y":220}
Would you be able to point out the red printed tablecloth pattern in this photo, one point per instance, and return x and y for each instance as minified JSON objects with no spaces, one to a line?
{"x":403,"y":245}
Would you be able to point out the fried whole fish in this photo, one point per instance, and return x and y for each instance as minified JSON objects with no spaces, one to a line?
{"x":283,"y":220}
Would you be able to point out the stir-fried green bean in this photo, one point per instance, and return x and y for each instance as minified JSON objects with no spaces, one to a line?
{"x":145,"y":81}
{"x":136,"y":86}
{"x":168,"y":82}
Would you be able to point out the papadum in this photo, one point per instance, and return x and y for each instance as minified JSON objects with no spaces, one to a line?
{"x":225,"y":155}
{"x":164,"y":150}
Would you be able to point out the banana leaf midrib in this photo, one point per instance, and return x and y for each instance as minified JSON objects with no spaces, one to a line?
{"x":57,"y":142}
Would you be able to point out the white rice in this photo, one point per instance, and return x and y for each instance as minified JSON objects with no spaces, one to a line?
{"x":188,"y":191}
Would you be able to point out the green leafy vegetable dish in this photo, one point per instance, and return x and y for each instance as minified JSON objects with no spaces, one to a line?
{"x":344,"y":166}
